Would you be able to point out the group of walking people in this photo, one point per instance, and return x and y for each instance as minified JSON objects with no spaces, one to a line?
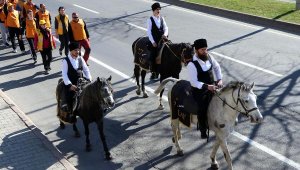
{"x":19,"y":17}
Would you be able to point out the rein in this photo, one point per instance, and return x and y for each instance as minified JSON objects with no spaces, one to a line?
{"x":246,"y":111}
{"x":181,"y":58}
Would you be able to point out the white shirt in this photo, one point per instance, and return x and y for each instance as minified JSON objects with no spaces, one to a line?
{"x":158,"y":23}
{"x":75,"y":64}
{"x":192,"y":70}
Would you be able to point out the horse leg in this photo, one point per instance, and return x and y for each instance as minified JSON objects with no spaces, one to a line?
{"x":161,"y":107}
{"x":214,"y":163}
{"x":175,"y":127}
{"x":143,"y":74}
{"x":137,"y":71}
{"x":102,"y":136}
{"x":87,"y":139}
{"x":227,"y":156}
{"x":75,"y":129}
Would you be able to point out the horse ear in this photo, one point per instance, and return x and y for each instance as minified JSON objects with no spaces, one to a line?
{"x":109,"y":78}
{"x":252,"y":85}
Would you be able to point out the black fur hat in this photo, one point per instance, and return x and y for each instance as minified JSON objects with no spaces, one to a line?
{"x":73,"y":46}
{"x":200,"y":43}
{"x":155,"y":6}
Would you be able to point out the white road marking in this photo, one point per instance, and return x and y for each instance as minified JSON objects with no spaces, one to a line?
{"x":95,"y":12}
{"x":238,"y":135}
{"x":267,"y":150}
{"x":226,"y":57}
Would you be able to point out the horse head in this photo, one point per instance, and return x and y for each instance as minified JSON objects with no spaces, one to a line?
{"x":187,"y":52}
{"x":105,"y":92}
{"x":246,"y":102}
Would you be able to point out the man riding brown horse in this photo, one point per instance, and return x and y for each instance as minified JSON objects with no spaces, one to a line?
{"x":201,"y":76}
{"x":157,"y":29}
{"x":73,"y":68}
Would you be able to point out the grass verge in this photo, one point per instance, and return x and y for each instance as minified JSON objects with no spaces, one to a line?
{"x":272,"y":9}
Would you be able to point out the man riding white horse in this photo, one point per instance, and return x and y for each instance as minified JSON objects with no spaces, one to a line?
{"x":201,"y":76}
{"x":73,"y":68}
{"x":156,"y":30}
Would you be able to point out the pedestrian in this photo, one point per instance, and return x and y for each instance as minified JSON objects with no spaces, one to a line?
{"x":201,"y":76}
{"x":61,"y":27}
{"x":44,"y":43}
{"x":79,"y":33}
{"x":156,"y":30}
{"x":3,"y":28}
{"x":43,"y":14}
{"x":29,"y":5}
{"x":14,"y":27}
{"x":29,"y":24}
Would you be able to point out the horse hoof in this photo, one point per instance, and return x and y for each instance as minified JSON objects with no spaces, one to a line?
{"x":214,"y":166}
{"x":108,"y":157}
{"x":88,"y":148}
{"x":138,"y":92}
{"x":62,"y":125}
{"x":145,"y":95}
{"x":77,"y":135}
{"x":180,"y":153}
{"x":161,"y":107}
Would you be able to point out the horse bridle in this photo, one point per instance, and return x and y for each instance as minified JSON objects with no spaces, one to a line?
{"x":246,"y":111}
{"x":104,"y":102}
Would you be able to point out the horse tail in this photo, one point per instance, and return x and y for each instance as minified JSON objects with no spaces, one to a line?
{"x":163,"y":84}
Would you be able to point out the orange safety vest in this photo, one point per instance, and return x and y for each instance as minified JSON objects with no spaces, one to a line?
{"x":78,"y":30}
{"x":60,"y":30}
{"x":45,"y":16}
{"x":12,"y":19}
{"x":2,"y":15}
{"x":40,"y":40}
{"x":30,"y":6}
{"x":30,"y":28}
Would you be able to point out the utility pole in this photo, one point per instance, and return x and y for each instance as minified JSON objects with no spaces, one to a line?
{"x":297,"y":4}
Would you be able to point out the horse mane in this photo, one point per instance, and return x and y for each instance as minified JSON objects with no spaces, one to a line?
{"x":235,"y":85}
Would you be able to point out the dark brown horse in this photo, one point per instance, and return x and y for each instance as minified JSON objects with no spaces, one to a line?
{"x":94,"y":99}
{"x":170,"y":59}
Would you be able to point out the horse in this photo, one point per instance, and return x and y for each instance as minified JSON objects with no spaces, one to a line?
{"x":95,"y":98}
{"x":170,"y":57}
{"x":226,"y":104}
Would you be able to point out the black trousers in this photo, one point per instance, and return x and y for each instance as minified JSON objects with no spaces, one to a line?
{"x":31,"y":44}
{"x":153,"y":55}
{"x":68,"y":96}
{"x":202,"y":97}
{"x":64,"y":43}
{"x":16,"y":32}
{"x":47,"y":57}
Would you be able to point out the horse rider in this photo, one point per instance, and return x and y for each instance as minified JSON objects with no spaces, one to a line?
{"x":73,"y":68}
{"x":201,"y":71}
{"x":156,"y":30}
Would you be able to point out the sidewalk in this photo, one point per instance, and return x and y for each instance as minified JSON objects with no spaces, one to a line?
{"x":22,"y":145}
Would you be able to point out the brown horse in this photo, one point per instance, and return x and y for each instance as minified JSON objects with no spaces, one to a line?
{"x":170,"y":58}
{"x":94,"y":99}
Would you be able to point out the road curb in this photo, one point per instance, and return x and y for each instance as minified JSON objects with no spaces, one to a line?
{"x":251,"y":19}
{"x":37,"y":132}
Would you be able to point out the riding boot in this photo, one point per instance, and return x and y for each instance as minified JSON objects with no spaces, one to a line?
{"x":203,"y":129}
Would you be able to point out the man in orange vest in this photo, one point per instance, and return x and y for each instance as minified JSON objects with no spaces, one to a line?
{"x":4,"y":30}
{"x":30,"y":25}
{"x":29,"y":5}
{"x":14,"y":28}
{"x":79,"y":33}
{"x":45,"y":44}
{"x":43,"y":14}
{"x":61,"y":27}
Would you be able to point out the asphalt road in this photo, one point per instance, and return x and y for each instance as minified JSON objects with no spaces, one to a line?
{"x":138,"y":134}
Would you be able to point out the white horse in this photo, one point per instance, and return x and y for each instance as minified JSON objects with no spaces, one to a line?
{"x":226,"y":104}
